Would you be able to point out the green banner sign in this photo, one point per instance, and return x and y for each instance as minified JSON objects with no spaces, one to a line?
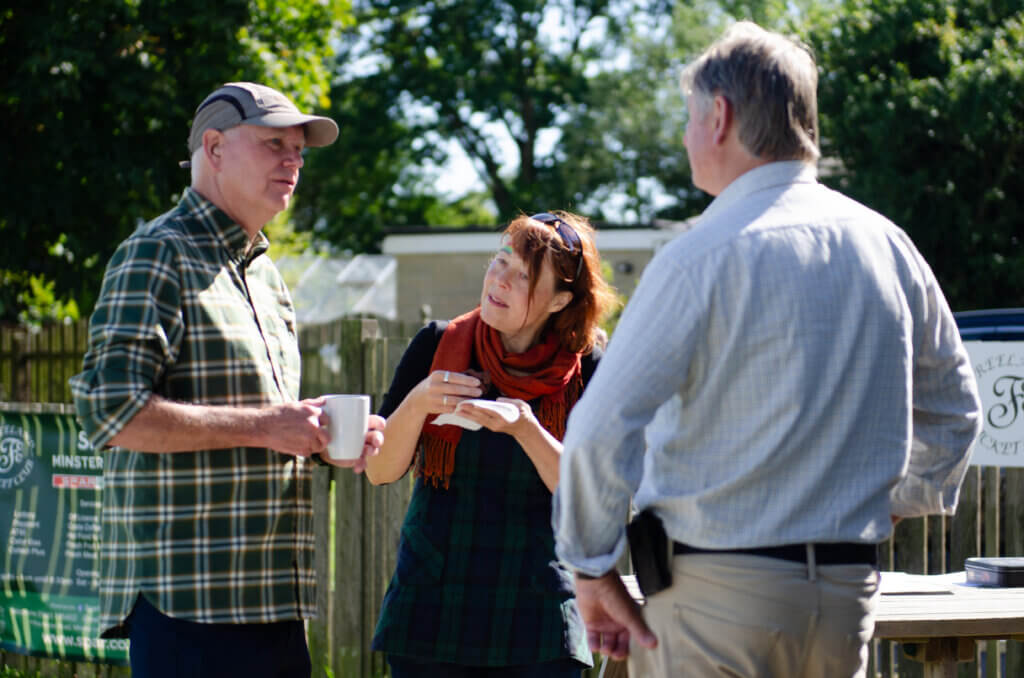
{"x":51,"y":482}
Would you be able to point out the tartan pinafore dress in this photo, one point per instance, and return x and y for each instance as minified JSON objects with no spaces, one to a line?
{"x":477,"y":582}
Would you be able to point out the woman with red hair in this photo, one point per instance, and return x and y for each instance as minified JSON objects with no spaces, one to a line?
{"x":478,"y":406}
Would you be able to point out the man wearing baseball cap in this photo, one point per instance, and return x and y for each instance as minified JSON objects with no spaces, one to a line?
{"x":191,"y":380}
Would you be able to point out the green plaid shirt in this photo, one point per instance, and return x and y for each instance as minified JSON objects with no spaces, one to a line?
{"x":189,"y":310}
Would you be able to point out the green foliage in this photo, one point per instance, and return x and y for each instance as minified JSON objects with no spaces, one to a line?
{"x":468,"y":65}
{"x":415,"y":77}
{"x":288,"y":42}
{"x":609,"y":322}
{"x":629,"y":141}
{"x":922,"y":102}
{"x":35,"y":300}
{"x":367,"y":180}
{"x":97,"y":97}
{"x":284,"y":239}
{"x":470,"y":210}
{"x":584,"y":93}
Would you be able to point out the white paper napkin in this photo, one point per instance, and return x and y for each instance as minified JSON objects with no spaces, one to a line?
{"x":508,"y":411}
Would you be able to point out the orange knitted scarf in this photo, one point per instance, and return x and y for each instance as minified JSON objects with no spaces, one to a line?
{"x":554,"y":376}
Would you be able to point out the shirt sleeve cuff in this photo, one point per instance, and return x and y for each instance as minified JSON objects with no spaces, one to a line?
{"x":914,"y":497}
{"x":593,"y":567}
{"x":101,"y":426}
{"x":580,"y":574}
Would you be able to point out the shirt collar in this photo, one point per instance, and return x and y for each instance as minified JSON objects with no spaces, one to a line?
{"x":772,"y":175}
{"x":231,"y":236}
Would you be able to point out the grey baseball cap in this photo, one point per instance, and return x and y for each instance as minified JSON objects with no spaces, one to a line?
{"x":247,"y":103}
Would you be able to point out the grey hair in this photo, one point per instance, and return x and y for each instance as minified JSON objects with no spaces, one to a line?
{"x":196,"y":159}
{"x":771,"y":83}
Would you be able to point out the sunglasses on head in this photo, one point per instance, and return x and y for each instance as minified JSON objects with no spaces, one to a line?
{"x":567,"y":233}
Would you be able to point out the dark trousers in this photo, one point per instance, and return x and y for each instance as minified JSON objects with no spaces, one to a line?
{"x":402,"y":667}
{"x":164,"y":647}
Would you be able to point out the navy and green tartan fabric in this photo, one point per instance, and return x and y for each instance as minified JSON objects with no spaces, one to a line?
{"x":189,"y":310}
{"x":477,"y":582}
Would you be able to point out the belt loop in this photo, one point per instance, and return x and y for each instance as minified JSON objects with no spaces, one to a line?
{"x":812,"y":565}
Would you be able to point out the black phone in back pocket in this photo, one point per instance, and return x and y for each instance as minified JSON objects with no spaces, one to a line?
{"x":649,"y":547}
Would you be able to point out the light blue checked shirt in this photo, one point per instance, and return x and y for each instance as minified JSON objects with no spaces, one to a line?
{"x":788,"y":371}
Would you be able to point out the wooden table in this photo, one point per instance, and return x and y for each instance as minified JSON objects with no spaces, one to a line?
{"x":946,"y":617}
{"x":940,"y":612}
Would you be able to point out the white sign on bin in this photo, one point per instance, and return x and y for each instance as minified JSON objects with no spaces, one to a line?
{"x":999,"y":369}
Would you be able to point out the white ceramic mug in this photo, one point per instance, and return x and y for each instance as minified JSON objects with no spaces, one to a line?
{"x":349,"y":416}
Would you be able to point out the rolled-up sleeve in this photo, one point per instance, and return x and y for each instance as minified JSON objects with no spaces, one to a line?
{"x":134,"y":334}
{"x":946,"y":412}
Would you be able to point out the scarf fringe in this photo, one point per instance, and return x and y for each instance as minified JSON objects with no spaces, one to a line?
{"x":553,"y":410}
{"x":436,"y":460}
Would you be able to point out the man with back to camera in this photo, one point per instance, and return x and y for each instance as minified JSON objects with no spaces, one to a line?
{"x":800,"y":382}
{"x":192,"y":378}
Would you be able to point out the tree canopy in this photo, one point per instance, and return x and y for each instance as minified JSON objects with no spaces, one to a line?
{"x":97,"y":97}
{"x":558,"y":103}
{"x":922,"y":104}
{"x":568,"y":104}
{"x":513,"y":83}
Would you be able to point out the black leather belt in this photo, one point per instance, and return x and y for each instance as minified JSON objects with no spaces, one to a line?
{"x":840,"y":553}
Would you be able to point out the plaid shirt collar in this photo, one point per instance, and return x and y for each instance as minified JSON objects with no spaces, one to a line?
{"x":208,"y":218}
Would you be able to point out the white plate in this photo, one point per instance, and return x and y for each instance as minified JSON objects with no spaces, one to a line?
{"x":508,"y":412}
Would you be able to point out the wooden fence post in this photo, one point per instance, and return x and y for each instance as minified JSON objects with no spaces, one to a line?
{"x":1014,"y":536}
{"x":965,"y":542}
{"x":910,"y":551}
{"x":350,"y":646}
{"x":990,"y":546}
{"x":21,"y":366}
{"x":318,"y":631}
{"x":348,"y":634}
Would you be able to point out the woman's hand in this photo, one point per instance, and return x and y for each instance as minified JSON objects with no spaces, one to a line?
{"x":442,"y":391}
{"x":540,"y":446}
{"x":492,"y":420}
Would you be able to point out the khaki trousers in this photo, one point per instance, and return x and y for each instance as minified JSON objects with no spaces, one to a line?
{"x":742,"y":616}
